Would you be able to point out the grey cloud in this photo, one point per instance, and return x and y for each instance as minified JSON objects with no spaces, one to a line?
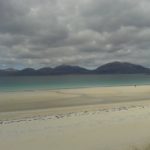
{"x":104,"y":16}
{"x":35,"y":33}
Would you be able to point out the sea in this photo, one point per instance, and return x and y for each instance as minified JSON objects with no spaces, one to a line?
{"x":32,"y":83}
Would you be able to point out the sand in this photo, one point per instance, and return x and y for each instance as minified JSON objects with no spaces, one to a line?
{"x":108,"y":118}
{"x":30,"y":100}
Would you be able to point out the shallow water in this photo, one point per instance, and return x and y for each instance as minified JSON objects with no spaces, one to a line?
{"x":24,"y":83}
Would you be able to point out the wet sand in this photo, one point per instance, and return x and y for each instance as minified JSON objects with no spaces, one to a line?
{"x":31,"y":100}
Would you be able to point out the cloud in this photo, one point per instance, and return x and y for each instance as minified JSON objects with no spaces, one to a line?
{"x":35,"y":33}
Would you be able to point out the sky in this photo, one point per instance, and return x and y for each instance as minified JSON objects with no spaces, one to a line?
{"x":88,"y":33}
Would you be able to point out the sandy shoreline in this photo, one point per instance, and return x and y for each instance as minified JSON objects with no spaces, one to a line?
{"x":119,"y":123}
{"x":30,"y":100}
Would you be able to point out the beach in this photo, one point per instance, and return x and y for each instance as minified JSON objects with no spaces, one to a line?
{"x":98,"y":118}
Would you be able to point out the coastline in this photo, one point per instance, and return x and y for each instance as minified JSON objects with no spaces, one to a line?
{"x":29,"y":100}
{"x":80,"y":87}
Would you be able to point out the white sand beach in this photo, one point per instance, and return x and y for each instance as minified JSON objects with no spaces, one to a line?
{"x":102,"y":118}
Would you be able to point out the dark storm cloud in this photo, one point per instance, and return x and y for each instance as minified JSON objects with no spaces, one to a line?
{"x":35,"y":33}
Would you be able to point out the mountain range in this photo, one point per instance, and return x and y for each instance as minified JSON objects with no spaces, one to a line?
{"x":109,"y":68}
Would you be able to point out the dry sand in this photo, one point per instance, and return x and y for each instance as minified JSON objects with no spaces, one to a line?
{"x":108,"y":118}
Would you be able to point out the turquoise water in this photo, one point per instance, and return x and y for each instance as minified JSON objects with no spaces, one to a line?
{"x":69,"y":81}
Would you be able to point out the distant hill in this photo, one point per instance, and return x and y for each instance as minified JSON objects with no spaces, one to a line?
{"x":8,"y":72}
{"x":26,"y":71}
{"x":66,"y":69}
{"x":44,"y":71}
{"x":121,"y":68}
{"x":109,"y":68}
